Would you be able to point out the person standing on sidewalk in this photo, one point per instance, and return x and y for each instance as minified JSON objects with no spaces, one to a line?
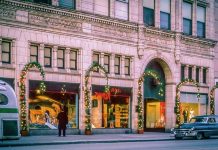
{"x":62,"y":122}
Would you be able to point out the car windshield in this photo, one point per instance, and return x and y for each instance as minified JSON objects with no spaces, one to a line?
{"x":202,"y":120}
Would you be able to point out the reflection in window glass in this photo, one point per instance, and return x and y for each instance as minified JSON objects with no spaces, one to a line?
{"x":6,"y":52}
{"x":33,"y":53}
{"x":60,"y":58}
{"x":47,"y":57}
{"x":3,"y":99}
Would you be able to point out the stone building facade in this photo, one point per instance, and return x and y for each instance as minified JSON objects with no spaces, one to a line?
{"x":65,"y":38}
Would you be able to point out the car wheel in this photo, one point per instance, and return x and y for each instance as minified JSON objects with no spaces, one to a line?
{"x":199,"y":136}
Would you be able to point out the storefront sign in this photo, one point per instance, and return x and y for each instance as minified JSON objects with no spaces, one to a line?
{"x":115,"y":91}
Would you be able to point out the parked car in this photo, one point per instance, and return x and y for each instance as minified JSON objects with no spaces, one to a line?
{"x":198,"y":127}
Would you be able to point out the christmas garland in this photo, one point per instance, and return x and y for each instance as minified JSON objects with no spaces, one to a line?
{"x":87,"y":92}
{"x":23,"y":111}
{"x":212,"y":109}
{"x":155,"y":75}
{"x":178,"y":104}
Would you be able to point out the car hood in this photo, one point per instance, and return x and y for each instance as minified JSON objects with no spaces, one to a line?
{"x":190,"y":125}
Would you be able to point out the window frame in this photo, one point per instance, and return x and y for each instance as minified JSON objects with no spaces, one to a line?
{"x":117,"y":65}
{"x":107,"y":64}
{"x":50,"y":58}
{"x":98,"y":61}
{"x":5,"y":52}
{"x":153,"y":16}
{"x":190,"y":72}
{"x":182,"y":72}
{"x":127,"y":66}
{"x":169,"y":21}
{"x":203,"y":23}
{"x":37,"y":51}
{"x":67,"y":7}
{"x":73,"y":60}
{"x":204,"y":75}
{"x":188,"y":19}
{"x":197,"y":75}
{"x":58,"y":58}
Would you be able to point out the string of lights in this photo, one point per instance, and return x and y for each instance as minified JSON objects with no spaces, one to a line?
{"x":87,"y":92}
{"x":42,"y":89}
{"x":177,"y":103}
{"x":212,"y":103}
{"x":140,"y":110}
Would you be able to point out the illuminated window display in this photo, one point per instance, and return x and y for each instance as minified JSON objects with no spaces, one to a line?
{"x":155,"y":114}
{"x":44,"y":108}
{"x":190,"y":106}
{"x":110,"y":110}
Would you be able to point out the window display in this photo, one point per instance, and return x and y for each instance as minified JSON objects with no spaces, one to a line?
{"x":111,"y":112}
{"x":43,"y":109}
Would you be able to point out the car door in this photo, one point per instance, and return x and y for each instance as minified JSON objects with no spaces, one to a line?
{"x":212,"y":126}
{"x":216,"y":126}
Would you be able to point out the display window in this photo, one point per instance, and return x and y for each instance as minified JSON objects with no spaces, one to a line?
{"x":191,"y":106}
{"x":110,"y":110}
{"x":155,"y":114}
{"x":44,"y":108}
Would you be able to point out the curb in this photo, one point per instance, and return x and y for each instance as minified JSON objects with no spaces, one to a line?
{"x":80,"y":142}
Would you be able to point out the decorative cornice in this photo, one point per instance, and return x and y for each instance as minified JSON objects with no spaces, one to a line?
{"x":208,"y":42}
{"x":73,"y":14}
{"x":158,"y":31}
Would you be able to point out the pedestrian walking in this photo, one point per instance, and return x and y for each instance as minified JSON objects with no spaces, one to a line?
{"x":62,"y":122}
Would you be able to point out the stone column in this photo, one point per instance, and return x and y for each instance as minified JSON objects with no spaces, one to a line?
{"x":67,"y":59}
{"x":194,"y":73}
{"x":140,"y":10}
{"x":112,"y":65}
{"x":194,"y":19}
{"x":79,"y":60}
{"x":122,"y":66}
{"x":101,"y":61}
{"x":201,"y":75}
{"x":157,"y":13}
{"x":112,"y":8}
{"x":54,"y":58}
{"x":132,"y":67}
{"x":178,"y":14}
{"x":170,"y":119}
{"x":41,"y":54}
{"x":13,"y":53}
{"x":173,"y":14}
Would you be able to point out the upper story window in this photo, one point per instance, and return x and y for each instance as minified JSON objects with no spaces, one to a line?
{"x":201,"y":21}
{"x":107,"y":63}
{"x":43,"y":1}
{"x":182,"y":72}
{"x":122,"y":9}
{"x":47,"y":57}
{"x":73,"y":59}
{"x":148,"y":12}
{"x":127,"y":66}
{"x":71,"y":4}
{"x":117,"y":65}
{"x":96,"y":58}
{"x":34,"y":53}
{"x":187,"y":18}
{"x":190,"y":72}
{"x":6,"y":52}
{"x":204,"y":75}
{"x":197,"y":74}
{"x":165,"y":14}
{"x":60,"y":58}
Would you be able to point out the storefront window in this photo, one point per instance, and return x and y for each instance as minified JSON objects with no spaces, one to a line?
{"x":110,"y":110}
{"x":155,"y":114}
{"x":190,"y":106}
{"x":44,"y":108}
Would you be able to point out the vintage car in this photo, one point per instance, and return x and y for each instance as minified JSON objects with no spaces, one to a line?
{"x":198,"y":127}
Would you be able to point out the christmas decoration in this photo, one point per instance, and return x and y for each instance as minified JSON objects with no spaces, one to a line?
{"x":156,"y":77}
{"x":212,"y":109}
{"x":93,"y":67}
{"x":22,"y":87}
{"x":177,"y":103}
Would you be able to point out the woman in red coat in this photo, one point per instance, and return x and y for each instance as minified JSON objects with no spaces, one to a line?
{"x":62,"y":122}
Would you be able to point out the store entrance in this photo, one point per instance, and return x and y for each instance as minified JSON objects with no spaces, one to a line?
{"x":154,"y":115}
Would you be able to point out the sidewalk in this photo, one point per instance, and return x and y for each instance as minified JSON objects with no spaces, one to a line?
{"x":81,"y":139}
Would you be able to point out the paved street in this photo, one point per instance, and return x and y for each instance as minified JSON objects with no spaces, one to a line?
{"x":211,"y":144}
